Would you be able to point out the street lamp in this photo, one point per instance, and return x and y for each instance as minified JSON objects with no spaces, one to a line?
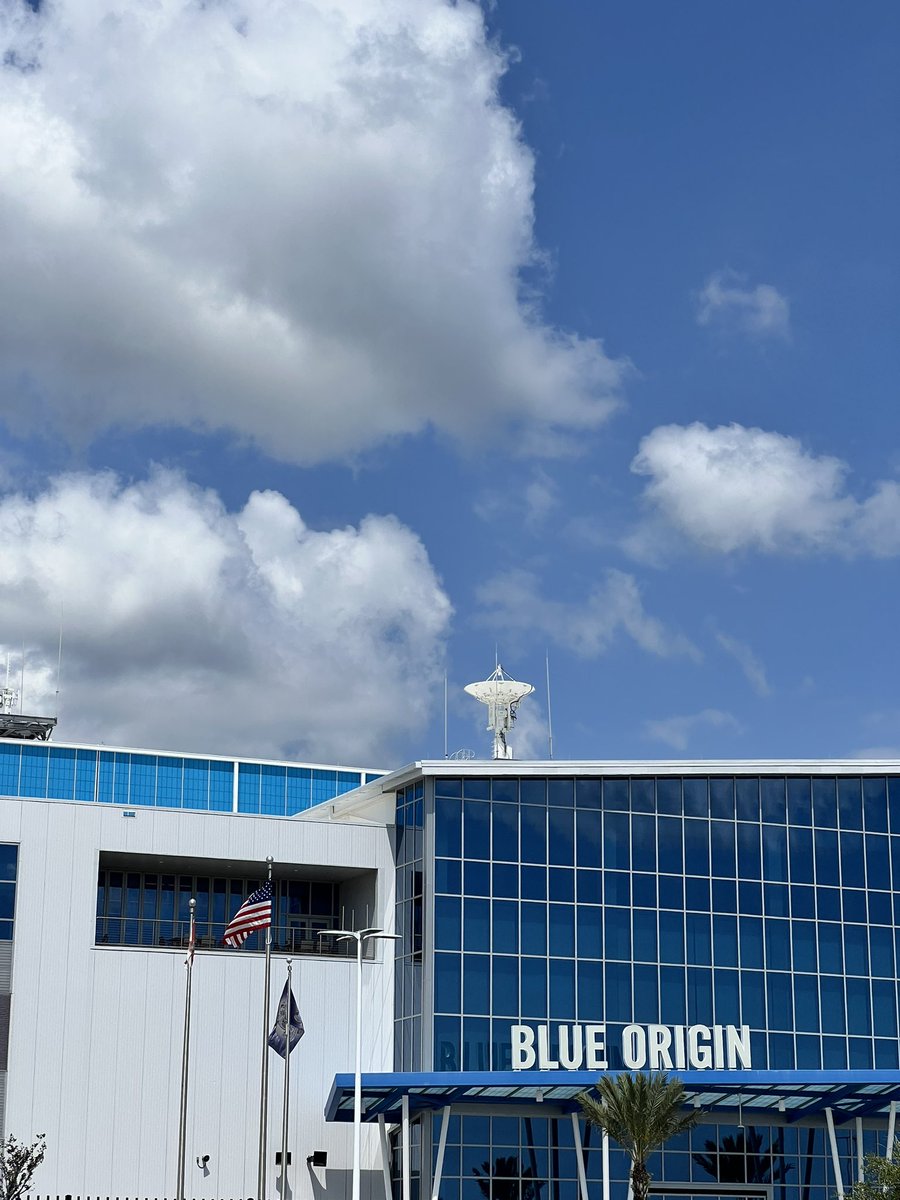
{"x":360,"y":936}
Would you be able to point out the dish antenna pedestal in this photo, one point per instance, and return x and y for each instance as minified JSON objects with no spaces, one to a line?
{"x":501,"y":694}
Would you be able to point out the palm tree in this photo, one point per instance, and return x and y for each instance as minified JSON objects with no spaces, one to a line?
{"x":641,"y":1113}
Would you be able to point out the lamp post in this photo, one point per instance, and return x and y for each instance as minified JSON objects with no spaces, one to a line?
{"x":360,"y":936}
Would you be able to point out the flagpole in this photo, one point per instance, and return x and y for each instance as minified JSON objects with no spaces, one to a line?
{"x":185,"y":1051}
{"x":264,"y":1070}
{"x":286,"y":1101}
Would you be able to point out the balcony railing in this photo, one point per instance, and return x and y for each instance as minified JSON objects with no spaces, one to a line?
{"x":297,"y":937}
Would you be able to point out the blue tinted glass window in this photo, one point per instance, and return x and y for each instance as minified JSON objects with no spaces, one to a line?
{"x":831,"y":951}
{"x":668,"y":796}
{"x":7,"y":900}
{"x":753,"y":999}
{"x":587,"y":793}
{"x":875,"y":804}
{"x":850,"y":803}
{"x":699,"y":985}
{"x":643,"y":796}
{"x":774,"y":847}
{"x":533,"y":790}
{"x":448,"y":787}
{"x":696,"y":847}
{"x":617,"y":931}
{"x":772,"y":798}
{"x":878,"y":862}
{"x":590,"y":931}
{"x":751,"y":933}
{"x":826,"y":857}
{"x":749,"y":860}
{"x":671,"y":937}
{"x":834,"y":1053}
{"x":643,"y":891}
{"x":448,"y":875}
{"x":143,"y":779}
{"x":778,"y":994}
{"x":505,"y":985}
{"x":828,"y":904}
{"x":699,"y":942}
{"x":534,"y":883}
{"x":724,"y":896}
{"x":561,"y":792}
{"x":723,"y":852}
{"x":803,"y":901}
{"x":803,"y":940}
{"x":561,"y":884}
{"x":725,"y":941}
{"x":856,"y":950}
{"x":476,"y":1044}
{"x":477,"y":877}
{"x":616,"y":841}
{"x":670,"y":832}
{"x":476,"y":925}
{"x":696,"y":797}
{"x":476,"y":829}
{"x":884,"y":1007}
{"x":721,"y":798}
{"x":476,"y":983}
{"x":644,"y":925}
{"x":562,"y":989}
{"x":169,"y":780}
{"x":534,"y":987}
{"x":881,"y":942}
{"x":696,"y":894}
{"x":801,"y":855}
{"x":806,"y":1003}
{"x":477,"y":789}
{"x":777,"y":900}
{"x":746,"y":792}
{"x":859,"y":1012}
{"x":671,"y":891}
{"x":561,"y":837}
{"x":505,"y":824}
{"x":447,"y":982}
{"x":854,"y":905}
{"x":852,"y":861}
{"x":505,"y":879}
{"x":617,"y":886}
{"x":615,"y":794}
{"x":799,"y":801}
{"x":561,"y":935}
{"x":9,"y":857}
{"x":885,"y":1055}
{"x":534,"y":833}
{"x":825,"y":803}
{"x":298,"y":785}
{"x":505,"y":790}
{"x":726,"y":993}
{"x":448,"y":828}
{"x":590,"y":989}
{"x":749,"y":897}
{"x":588,"y":842}
{"x":447,"y":1037}
{"x":672,"y":988}
{"x":534,"y":928}
{"x":778,"y":946}
{"x":643,"y":843}
{"x":618,"y":992}
{"x":196,"y":784}
{"x":590,"y":887}
{"x":447,"y":923}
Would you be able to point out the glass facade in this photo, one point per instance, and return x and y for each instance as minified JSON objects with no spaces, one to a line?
{"x":767,"y":901}
{"x":136,"y":908}
{"x":46,"y":772}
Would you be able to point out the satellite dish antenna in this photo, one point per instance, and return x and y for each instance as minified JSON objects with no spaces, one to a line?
{"x":501,"y":694}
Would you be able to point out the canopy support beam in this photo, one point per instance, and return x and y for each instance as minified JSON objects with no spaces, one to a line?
{"x":835,"y":1157}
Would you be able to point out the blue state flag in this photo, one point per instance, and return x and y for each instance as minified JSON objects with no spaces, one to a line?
{"x":288,"y":1028}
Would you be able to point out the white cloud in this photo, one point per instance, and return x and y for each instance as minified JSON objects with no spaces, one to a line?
{"x":727,"y":302}
{"x":189,"y":627}
{"x":531,"y":501}
{"x":749,"y":662}
{"x":511,"y":601}
{"x":300,"y":221}
{"x":678,"y":731}
{"x":735,"y":488}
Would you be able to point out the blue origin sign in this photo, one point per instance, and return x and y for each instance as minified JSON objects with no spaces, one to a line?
{"x":656,"y":1047}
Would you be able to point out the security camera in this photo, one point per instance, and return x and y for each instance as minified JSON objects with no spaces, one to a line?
{"x":202,"y":1160}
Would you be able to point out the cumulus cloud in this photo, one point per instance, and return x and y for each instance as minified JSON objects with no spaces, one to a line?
{"x":749,"y":662}
{"x":512,"y":601}
{"x":300,"y":222}
{"x":727,"y":302}
{"x":190,"y":627}
{"x":678,"y":731}
{"x":735,"y":488}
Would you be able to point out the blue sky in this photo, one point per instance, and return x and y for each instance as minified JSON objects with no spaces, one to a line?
{"x":563,"y":328}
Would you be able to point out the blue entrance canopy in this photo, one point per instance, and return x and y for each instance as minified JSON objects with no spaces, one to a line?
{"x":776,"y":1096}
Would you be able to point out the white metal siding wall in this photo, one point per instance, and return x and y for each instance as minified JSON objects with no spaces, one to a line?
{"x":95,"y":1045}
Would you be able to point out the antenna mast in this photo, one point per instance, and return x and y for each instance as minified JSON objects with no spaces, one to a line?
{"x":501,"y":694}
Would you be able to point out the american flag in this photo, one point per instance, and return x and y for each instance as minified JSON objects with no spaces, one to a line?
{"x":192,"y":942}
{"x":254,"y":913}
